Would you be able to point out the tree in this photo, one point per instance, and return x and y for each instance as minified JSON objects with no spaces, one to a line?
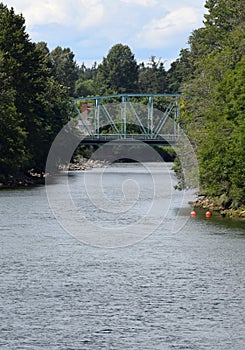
{"x":85,"y":85}
{"x":35,"y":97}
{"x":224,"y":149}
{"x":180,"y":71}
{"x":153,"y":78}
{"x":64,"y":67}
{"x":118,"y":72}
{"x":13,"y":154}
{"x":214,"y":115}
{"x":85,"y":88}
{"x":224,"y":15}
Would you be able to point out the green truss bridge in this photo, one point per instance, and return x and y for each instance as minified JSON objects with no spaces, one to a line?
{"x":151,"y":118}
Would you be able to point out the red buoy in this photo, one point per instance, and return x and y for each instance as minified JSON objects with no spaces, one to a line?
{"x":193,"y":213}
{"x":208,"y":214}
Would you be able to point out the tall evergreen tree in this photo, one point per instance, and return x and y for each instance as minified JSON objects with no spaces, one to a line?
{"x":85,"y":85}
{"x":13,"y":154}
{"x":64,"y":68}
{"x":179,"y":71}
{"x":37,"y":98}
{"x":153,"y":77}
{"x":118,"y":73}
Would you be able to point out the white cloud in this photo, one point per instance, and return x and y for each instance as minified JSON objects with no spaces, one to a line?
{"x":161,"y":32}
{"x":91,"y":27}
{"x":78,"y":13}
{"x":174,"y":5}
{"x":141,"y":2}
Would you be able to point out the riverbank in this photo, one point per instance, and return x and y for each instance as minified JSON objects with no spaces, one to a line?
{"x":32,"y":178}
{"x":210,"y":204}
{"x":86,"y":164}
{"x":23,"y":180}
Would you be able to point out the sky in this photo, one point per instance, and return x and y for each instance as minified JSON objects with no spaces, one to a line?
{"x":90,"y":28}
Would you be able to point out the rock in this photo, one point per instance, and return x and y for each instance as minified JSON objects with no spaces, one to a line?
{"x":86,"y":164}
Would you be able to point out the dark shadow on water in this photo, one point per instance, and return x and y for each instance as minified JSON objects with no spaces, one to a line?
{"x":218,"y":220}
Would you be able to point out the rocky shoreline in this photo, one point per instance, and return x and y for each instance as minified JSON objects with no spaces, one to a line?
{"x":86,"y":164}
{"x":23,"y":180}
{"x":33,"y":179}
{"x":209,"y":203}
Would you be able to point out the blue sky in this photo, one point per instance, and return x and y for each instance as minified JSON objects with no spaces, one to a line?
{"x":91,"y":27}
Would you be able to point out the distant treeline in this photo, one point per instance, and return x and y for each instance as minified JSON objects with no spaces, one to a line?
{"x":36,"y":84}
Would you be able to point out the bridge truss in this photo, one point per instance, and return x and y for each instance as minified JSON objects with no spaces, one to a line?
{"x":129,"y":117}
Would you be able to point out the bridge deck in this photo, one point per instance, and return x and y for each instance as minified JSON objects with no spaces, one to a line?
{"x":130,"y":139}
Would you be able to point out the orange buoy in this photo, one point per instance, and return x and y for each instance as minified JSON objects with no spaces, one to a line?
{"x":208,"y":214}
{"x":193,"y":213}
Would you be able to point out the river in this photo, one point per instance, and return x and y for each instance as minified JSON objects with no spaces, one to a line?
{"x":177,"y":286}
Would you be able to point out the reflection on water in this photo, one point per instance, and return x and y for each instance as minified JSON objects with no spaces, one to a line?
{"x":216,"y":219}
{"x":173,"y":290}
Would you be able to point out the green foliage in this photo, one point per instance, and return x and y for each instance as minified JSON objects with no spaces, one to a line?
{"x":84,"y":88}
{"x":179,"y":72}
{"x":224,"y":15}
{"x":167,"y":153}
{"x":87,"y":73}
{"x":153,"y":77}
{"x":214,"y":116}
{"x":13,"y":154}
{"x":228,"y":135}
{"x":35,"y":84}
{"x":64,"y":67}
{"x":118,"y":73}
{"x":32,"y":105}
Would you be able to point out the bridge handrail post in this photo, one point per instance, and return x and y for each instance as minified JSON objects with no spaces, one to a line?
{"x":178,"y":115}
{"x":150,"y":115}
{"x":124,"y":115}
{"x":97,"y":116}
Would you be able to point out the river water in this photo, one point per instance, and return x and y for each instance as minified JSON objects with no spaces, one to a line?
{"x":181,"y":286}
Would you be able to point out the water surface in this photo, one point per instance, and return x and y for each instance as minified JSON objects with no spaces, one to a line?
{"x":172,"y":290}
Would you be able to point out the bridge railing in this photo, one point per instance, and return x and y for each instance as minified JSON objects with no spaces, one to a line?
{"x":96,"y":116}
{"x":103,"y":138}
